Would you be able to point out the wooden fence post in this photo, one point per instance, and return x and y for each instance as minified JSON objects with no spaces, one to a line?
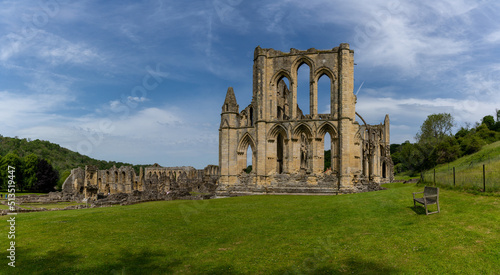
{"x":453,"y":176}
{"x":484,"y":178}
{"x":434,"y":177}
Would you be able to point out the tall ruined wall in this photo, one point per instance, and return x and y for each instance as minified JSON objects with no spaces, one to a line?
{"x":287,"y":146}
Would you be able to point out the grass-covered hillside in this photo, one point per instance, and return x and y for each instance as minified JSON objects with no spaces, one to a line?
{"x":367,"y":233}
{"x":469,"y":170}
{"x":60,"y":157}
{"x":488,"y":155}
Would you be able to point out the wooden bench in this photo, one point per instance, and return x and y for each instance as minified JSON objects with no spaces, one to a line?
{"x":431,"y":196}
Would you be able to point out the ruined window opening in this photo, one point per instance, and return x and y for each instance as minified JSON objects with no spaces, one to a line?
{"x":324,"y":94}
{"x":116,"y":177}
{"x":251,"y":116}
{"x":282,"y":98}
{"x":303,"y":89}
{"x":249,"y":160}
{"x":384,"y":167}
{"x":304,"y":152}
{"x":280,"y":153}
{"x":328,"y":157}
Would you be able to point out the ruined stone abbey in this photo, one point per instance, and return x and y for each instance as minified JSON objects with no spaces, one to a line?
{"x":287,"y":147}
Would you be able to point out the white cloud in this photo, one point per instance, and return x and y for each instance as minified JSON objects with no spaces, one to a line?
{"x":48,"y":47}
{"x":493,"y":37}
{"x":18,"y":111}
{"x":163,"y":135}
{"x":407,"y":114}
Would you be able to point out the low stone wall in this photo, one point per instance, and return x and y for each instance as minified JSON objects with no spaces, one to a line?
{"x":302,"y":183}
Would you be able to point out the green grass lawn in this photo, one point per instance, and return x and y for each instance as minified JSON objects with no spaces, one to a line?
{"x":375,"y":232}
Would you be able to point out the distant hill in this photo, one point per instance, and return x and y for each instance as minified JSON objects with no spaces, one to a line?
{"x":62,"y":159}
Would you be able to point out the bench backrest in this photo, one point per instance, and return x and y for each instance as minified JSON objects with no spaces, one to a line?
{"x":430,"y":191}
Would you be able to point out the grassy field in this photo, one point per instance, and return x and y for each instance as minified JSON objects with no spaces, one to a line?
{"x":469,"y":170}
{"x":376,"y":232}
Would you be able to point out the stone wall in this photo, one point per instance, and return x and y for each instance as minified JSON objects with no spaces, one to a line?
{"x":152,"y":183}
{"x":287,"y":146}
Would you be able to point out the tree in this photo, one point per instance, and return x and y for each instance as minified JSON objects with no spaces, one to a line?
{"x":483,"y":132}
{"x":327,"y":159}
{"x":489,"y":121}
{"x":471,"y":144}
{"x":30,"y":170}
{"x":435,"y":128}
{"x":411,"y":158}
{"x":433,"y":131}
{"x":13,"y":161}
{"x":462,"y":132}
{"x":447,"y":150}
{"x":47,"y":177}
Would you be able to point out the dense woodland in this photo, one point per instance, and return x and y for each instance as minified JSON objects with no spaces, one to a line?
{"x":436,"y":144}
{"x":42,"y":166}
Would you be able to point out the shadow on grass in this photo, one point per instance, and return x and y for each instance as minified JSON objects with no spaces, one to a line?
{"x":349,"y":266}
{"x":65,"y":261}
{"x":419,"y":210}
{"x":220,"y":269}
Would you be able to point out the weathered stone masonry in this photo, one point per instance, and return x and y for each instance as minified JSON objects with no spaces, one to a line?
{"x":287,"y":146}
{"x":152,"y":183}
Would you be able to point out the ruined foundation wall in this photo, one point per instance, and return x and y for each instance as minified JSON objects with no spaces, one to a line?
{"x":153,"y":183}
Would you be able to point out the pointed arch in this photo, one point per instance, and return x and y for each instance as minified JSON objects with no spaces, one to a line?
{"x":324,"y":71}
{"x":304,"y":89}
{"x":276,"y":130}
{"x":302,"y":60}
{"x":302,"y":128}
{"x":245,"y":141}
{"x":330,"y":161}
{"x":280,"y":75}
{"x":326,"y":96}
{"x":327,"y":127}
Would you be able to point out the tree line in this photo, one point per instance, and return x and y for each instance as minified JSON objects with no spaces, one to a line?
{"x":43,"y":157}
{"x":31,"y":173}
{"x":436,"y":144}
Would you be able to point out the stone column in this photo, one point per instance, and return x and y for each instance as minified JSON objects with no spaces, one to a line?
{"x":313,"y":99}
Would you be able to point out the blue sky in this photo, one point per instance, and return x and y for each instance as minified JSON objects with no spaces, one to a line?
{"x":144,"y":81}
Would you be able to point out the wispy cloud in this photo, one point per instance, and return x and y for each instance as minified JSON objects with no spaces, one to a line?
{"x":407,"y":114}
{"x":77,"y":69}
{"x":493,"y":37}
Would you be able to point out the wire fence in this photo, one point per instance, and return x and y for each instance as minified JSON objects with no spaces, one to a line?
{"x":485,"y":178}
